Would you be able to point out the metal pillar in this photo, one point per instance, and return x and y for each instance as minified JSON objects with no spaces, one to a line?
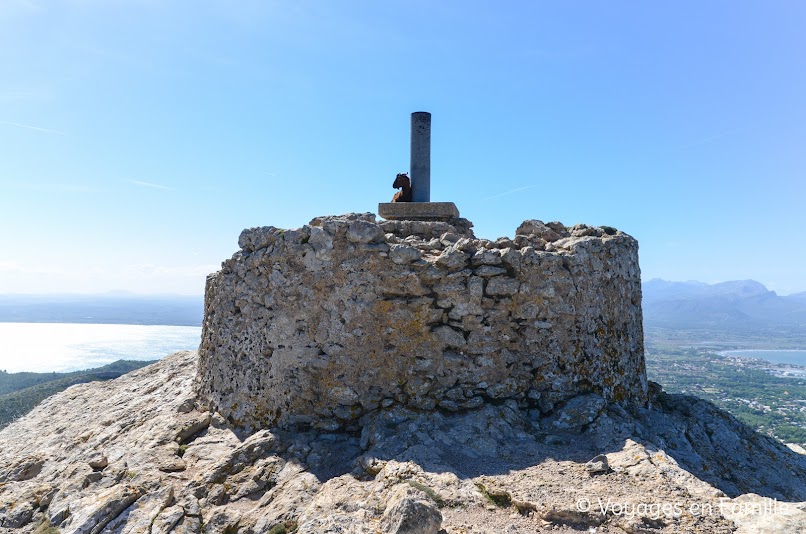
{"x":420,"y":164}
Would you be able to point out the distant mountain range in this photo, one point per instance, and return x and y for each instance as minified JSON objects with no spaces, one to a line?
{"x":113,"y":308}
{"x":731,"y":305}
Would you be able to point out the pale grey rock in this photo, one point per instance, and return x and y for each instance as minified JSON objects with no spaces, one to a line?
{"x":188,"y":525}
{"x":172,"y":465}
{"x":322,"y":245}
{"x":558,"y":227}
{"x":485,"y":257}
{"x":91,"y":514}
{"x":344,"y":395}
{"x":167,"y":520}
{"x":511,"y":257}
{"x":537,"y":243}
{"x":403,"y":253}
{"x":410,"y":513}
{"x":449,"y":238}
{"x":221,"y":520}
{"x":452,"y":258}
{"x":504,"y":242}
{"x":18,"y":516}
{"x":24,"y":468}
{"x":579,"y":411}
{"x":450,"y":336}
{"x":191,"y":425}
{"x":364,"y":232}
{"x":296,"y":236}
{"x":598,"y":465}
{"x":489,"y":270}
{"x":754,"y":514}
{"x":583,"y":230}
{"x":140,"y":516}
{"x":502,"y":286}
{"x":467,"y":245}
{"x":187,"y":405}
{"x":98,"y":462}
{"x":539,"y":229}
{"x":253,"y":239}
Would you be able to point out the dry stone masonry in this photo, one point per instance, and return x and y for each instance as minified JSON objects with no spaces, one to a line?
{"x":323,"y":325}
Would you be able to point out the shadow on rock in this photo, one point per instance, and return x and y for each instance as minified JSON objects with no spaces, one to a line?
{"x":700,"y":438}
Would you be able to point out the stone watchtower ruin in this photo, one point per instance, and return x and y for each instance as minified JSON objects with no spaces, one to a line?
{"x":326,"y":324}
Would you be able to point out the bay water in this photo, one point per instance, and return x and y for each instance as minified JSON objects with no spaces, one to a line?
{"x":61,"y":347}
{"x":792,"y":357}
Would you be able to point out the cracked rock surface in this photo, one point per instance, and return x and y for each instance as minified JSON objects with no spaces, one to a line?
{"x":93,"y":459}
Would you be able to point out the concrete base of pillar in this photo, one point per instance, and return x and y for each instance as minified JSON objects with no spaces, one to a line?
{"x":418,"y":211}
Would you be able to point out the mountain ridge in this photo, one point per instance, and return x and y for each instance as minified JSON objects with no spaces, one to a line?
{"x":734,"y":304}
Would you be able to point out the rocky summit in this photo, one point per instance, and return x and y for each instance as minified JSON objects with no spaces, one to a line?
{"x":515,"y":402}
{"x":139,"y":455}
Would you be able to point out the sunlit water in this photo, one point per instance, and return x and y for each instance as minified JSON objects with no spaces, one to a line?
{"x":792,"y":357}
{"x":48,"y":347}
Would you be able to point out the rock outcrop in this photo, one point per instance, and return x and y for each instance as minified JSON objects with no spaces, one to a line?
{"x":327,"y":323}
{"x":138,"y":455}
{"x":401,"y":377}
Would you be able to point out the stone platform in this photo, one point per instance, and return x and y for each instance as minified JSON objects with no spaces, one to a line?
{"x":418,"y":211}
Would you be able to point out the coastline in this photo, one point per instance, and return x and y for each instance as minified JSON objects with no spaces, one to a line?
{"x":779,"y":362}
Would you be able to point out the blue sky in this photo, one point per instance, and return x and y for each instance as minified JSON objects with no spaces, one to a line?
{"x":138,"y":137}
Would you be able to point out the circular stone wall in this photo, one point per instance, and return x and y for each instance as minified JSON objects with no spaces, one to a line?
{"x":344,"y":316}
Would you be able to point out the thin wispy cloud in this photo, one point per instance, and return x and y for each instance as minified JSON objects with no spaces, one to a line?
{"x":150,"y":185}
{"x":510,"y":192}
{"x":29,"y":127}
{"x":715,"y":137}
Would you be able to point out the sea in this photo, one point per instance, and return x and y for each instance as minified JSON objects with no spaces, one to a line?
{"x":791,"y":357}
{"x":64,"y":347}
